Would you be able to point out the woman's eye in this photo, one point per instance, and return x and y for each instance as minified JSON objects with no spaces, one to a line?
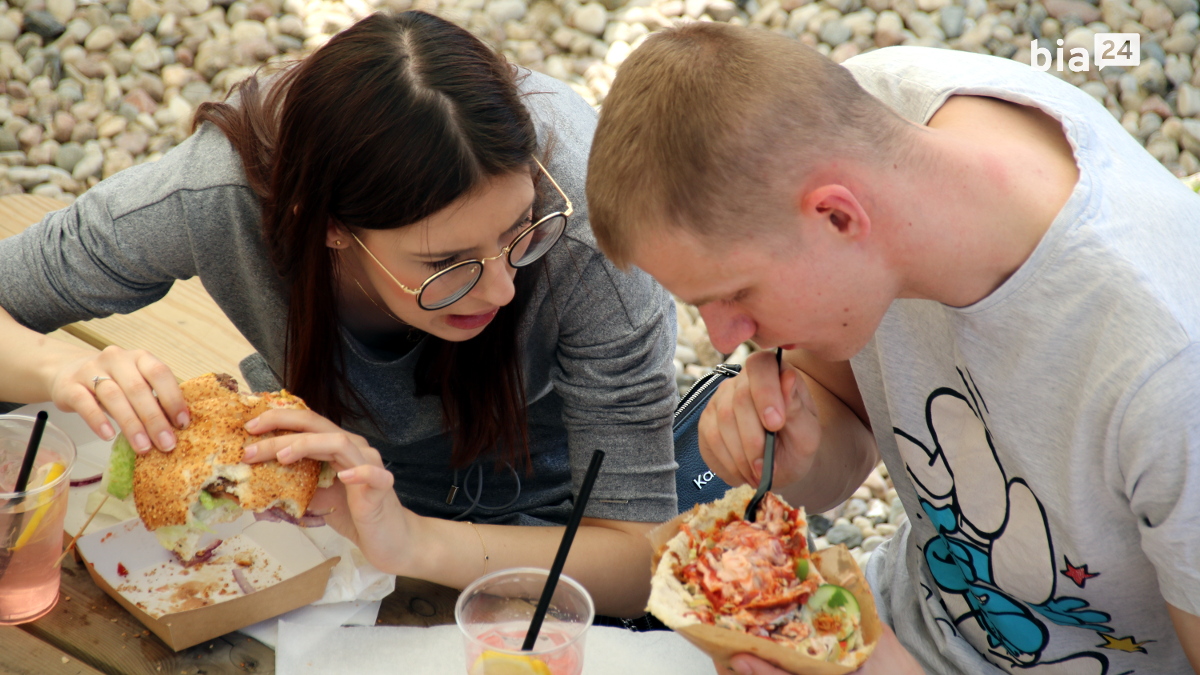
{"x":439,"y":265}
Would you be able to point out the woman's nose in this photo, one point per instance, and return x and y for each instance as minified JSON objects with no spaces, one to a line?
{"x":496,"y":286}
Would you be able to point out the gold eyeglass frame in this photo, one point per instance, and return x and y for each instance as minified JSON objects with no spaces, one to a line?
{"x":565,"y":213}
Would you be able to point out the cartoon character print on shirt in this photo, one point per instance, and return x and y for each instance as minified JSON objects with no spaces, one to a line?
{"x":993,"y":557}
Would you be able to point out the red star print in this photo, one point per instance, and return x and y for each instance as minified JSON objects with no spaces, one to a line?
{"x":1079,"y":575}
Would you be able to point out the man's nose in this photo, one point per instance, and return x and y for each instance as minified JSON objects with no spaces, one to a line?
{"x":727,"y":327}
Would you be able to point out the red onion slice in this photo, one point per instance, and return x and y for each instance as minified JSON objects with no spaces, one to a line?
{"x":200,"y":557}
{"x":276,"y":514}
{"x":77,"y":482}
{"x":243,"y":583}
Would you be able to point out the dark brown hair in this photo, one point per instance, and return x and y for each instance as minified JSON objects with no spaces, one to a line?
{"x":703,"y":122}
{"x":389,"y":122}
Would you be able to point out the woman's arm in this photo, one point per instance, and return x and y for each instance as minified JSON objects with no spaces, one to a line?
{"x":610,"y":558}
{"x":137,"y":390}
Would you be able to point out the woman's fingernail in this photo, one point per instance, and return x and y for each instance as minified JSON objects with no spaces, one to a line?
{"x":249,"y":452}
{"x":347,"y":473}
{"x":183,"y":420}
{"x":141,"y":442}
{"x":106,"y":431}
{"x":284,"y":455}
{"x":741,"y":668}
{"x":166,"y":440}
{"x":252,"y":424}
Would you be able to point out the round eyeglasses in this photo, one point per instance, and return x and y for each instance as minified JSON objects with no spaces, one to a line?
{"x":450,"y":285}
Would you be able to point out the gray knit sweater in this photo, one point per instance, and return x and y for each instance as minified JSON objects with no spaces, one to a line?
{"x":599,"y":341}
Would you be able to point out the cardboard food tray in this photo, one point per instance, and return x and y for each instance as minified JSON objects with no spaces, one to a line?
{"x":305,"y":572}
{"x":835,"y":564}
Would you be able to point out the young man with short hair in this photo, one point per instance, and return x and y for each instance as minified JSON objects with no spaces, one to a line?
{"x":979,"y":276}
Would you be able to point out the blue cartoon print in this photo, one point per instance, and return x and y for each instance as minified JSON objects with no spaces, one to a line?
{"x":992,"y":557}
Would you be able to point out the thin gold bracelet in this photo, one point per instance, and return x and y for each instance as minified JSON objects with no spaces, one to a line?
{"x":481,"y":545}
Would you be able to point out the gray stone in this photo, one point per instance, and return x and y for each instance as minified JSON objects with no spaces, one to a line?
{"x":1147,"y":124}
{"x":28,"y":176}
{"x":1180,"y":43}
{"x":61,"y":9}
{"x":68,"y":156}
{"x":844,"y":533}
{"x":853,"y":508}
{"x":818,"y":525}
{"x":952,"y":21}
{"x":88,"y":166}
{"x":877,"y":512}
{"x":889,"y":29}
{"x":101,"y":38}
{"x":924,"y":26}
{"x":1178,"y":69}
{"x":1182,"y":6}
{"x":834,"y":32}
{"x":1150,"y":76}
{"x":1062,"y":9}
{"x":1187,"y":100}
{"x":506,"y":10}
{"x":1157,"y":17}
{"x":1163,"y":149}
{"x":873,"y":542}
{"x":8,"y":141}
{"x":1190,"y":138}
{"x":1096,"y":90}
{"x":590,"y":18}
{"x":43,"y":24}
{"x":9,"y":30}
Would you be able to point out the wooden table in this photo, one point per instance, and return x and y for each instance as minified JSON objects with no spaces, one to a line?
{"x":186,"y":329}
{"x":88,"y":632}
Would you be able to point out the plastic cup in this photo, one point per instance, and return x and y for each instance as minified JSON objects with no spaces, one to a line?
{"x":31,"y":522}
{"x":494,"y":612}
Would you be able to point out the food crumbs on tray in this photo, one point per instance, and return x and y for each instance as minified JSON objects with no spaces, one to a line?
{"x":122,"y":570}
{"x":66,"y":660}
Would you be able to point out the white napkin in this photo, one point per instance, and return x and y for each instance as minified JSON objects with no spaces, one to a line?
{"x":439,"y":651}
{"x":352,"y":595}
{"x":353,"y":578}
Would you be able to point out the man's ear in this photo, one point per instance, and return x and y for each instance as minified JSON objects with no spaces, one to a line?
{"x":337,"y":236}
{"x":839,"y":208}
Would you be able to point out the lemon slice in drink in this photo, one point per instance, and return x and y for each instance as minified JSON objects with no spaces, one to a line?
{"x":497,"y":663}
{"x":51,"y":472}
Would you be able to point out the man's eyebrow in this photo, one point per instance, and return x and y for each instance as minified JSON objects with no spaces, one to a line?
{"x":452,"y":254}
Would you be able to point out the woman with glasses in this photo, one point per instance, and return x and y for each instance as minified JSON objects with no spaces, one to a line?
{"x":397,"y":225}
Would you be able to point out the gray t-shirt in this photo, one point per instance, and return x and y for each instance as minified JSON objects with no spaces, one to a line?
{"x":1045,"y":441}
{"x":599,"y":341}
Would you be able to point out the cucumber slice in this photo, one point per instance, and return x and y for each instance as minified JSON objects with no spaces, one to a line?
{"x":838,"y":602}
{"x":120,"y":468}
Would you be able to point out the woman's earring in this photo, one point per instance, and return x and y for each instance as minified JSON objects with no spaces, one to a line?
{"x":337,"y":242}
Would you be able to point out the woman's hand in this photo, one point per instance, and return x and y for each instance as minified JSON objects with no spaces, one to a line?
{"x":134,"y":387}
{"x":889,"y":658}
{"x":361,"y":505}
{"x":764,"y":397}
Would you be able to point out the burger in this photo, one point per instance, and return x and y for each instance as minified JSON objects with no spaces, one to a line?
{"x":181,"y":494}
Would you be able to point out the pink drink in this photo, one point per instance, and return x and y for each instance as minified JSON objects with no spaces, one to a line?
{"x":494,"y":613}
{"x":553,"y":646}
{"x":29,"y":585}
{"x":31,"y":522}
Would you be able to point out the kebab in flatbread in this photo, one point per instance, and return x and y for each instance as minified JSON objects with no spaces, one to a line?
{"x":180,"y":494}
{"x":731,"y":586}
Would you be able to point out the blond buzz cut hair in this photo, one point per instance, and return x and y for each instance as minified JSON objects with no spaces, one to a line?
{"x":705,"y":120}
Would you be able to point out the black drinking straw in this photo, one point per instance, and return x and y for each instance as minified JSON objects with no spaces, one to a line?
{"x":35,"y":440}
{"x":564,"y":547}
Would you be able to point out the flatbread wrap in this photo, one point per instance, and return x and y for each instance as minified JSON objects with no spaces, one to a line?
{"x":731,"y":587}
